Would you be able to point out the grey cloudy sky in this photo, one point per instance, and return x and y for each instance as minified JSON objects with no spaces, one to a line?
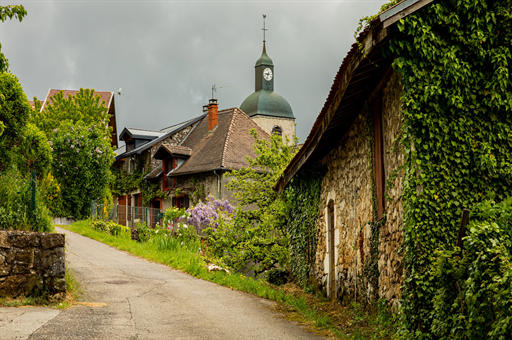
{"x":166,"y":55}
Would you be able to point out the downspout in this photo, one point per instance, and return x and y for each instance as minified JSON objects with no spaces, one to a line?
{"x":218,"y":183}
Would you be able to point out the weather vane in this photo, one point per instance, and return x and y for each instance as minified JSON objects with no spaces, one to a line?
{"x":214,"y":88}
{"x":264,"y":29}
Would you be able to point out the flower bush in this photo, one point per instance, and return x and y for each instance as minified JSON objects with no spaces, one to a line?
{"x":205,"y":215}
{"x":111,"y":228}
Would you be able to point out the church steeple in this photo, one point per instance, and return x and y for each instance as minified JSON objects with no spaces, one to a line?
{"x":264,"y":67}
{"x":265,"y":101}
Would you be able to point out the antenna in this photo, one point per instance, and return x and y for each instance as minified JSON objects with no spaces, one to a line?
{"x":214,"y":88}
{"x":264,"y":29}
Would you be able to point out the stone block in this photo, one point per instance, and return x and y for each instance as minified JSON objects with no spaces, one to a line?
{"x":9,"y":258}
{"x":5,"y":241}
{"x":49,"y":241}
{"x":16,"y":285}
{"x":25,"y":256}
{"x":4,"y":270}
{"x":25,"y":240}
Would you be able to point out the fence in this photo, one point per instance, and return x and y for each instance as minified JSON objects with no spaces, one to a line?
{"x":126,"y":215}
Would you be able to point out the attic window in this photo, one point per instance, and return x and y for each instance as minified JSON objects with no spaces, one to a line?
{"x":278,"y":130}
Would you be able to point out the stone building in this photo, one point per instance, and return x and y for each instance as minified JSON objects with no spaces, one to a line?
{"x":361,"y":118}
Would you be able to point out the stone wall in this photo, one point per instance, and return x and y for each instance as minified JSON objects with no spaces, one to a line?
{"x":348,"y":184}
{"x":390,"y":262}
{"x":267,"y":123}
{"x":31,"y":261}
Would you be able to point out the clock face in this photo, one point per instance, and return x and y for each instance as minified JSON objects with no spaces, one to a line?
{"x":267,"y":74}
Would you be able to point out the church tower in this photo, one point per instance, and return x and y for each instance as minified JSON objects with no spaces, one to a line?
{"x":266,"y":107}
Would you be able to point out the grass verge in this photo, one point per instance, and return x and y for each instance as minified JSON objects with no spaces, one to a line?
{"x":308,"y":309}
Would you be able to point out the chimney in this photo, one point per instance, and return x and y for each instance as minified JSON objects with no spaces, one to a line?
{"x":213,"y":115}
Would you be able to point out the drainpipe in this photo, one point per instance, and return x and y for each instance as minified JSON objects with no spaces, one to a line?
{"x":218,"y":183}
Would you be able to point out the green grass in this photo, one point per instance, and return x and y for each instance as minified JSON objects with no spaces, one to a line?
{"x":185,"y":257}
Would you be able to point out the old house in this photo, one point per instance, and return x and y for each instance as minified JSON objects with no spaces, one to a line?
{"x":353,"y":138}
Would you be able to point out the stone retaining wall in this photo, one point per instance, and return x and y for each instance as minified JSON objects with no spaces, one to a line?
{"x":31,"y":261}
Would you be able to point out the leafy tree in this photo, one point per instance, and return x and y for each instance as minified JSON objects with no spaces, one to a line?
{"x":82,"y":159}
{"x":34,"y":152}
{"x":256,"y":237}
{"x":14,"y":114}
{"x":83,"y":107}
{"x":9,"y":12}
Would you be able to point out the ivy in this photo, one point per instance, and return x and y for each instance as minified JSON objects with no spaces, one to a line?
{"x":303,"y":200}
{"x":454,"y":60}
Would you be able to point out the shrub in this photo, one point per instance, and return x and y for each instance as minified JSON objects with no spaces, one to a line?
{"x":16,"y":204}
{"x":111,"y":228}
{"x":473,"y":299}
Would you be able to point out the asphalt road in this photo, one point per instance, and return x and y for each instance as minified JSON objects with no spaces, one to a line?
{"x":136,"y":299}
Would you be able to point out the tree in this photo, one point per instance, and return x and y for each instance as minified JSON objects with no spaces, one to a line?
{"x":256,"y":237}
{"x":83,"y":107}
{"x":8,"y":12}
{"x":14,"y":114}
{"x":82,"y":157}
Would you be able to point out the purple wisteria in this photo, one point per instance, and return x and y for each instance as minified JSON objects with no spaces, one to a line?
{"x":206,"y":215}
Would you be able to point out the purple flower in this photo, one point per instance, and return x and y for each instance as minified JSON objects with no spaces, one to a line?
{"x":72,"y":146}
{"x":55,"y":130}
{"x":50,"y":142}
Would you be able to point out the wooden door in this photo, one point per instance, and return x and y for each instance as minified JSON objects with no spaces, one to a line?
{"x":122,"y":210}
{"x":332,"y":272}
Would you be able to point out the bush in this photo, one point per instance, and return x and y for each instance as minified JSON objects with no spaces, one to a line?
{"x":473,"y":299}
{"x":111,"y":228}
{"x":16,"y":204}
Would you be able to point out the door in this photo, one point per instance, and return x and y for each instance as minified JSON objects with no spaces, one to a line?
{"x":330,"y":237}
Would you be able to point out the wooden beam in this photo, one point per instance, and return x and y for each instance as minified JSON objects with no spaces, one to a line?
{"x":402,"y":13}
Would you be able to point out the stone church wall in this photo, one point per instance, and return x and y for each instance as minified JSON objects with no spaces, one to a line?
{"x":31,"y":261}
{"x":348,"y":184}
{"x":267,"y":123}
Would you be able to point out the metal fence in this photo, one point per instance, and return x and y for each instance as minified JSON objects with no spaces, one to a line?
{"x":126,"y":215}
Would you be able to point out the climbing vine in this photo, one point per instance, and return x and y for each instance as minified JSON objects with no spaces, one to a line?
{"x":303,"y":200}
{"x":454,"y":59}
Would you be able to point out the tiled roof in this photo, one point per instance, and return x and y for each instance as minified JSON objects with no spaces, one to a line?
{"x":172,"y":150}
{"x":157,"y":172}
{"x":226,"y":147}
{"x":105,"y":96}
{"x":165,"y":132}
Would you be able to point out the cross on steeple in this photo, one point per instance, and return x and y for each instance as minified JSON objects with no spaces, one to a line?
{"x":264,"y":29}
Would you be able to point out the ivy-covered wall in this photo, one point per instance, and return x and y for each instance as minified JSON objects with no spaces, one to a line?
{"x":455,"y":60}
{"x":367,"y":254}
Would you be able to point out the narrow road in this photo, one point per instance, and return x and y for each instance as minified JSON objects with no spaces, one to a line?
{"x":137,"y":299}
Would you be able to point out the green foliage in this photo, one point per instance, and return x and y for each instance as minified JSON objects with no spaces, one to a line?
{"x":473,"y":298}
{"x":172,"y":215}
{"x":34,"y":152}
{"x":303,"y":203}
{"x":256,"y":237}
{"x":111,"y":228}
{"x":82,"y":159}
{"x":9,"y":12}
{"x":454,"y":59}
{"x":14,"y":114}
{"x":16,"y":204}
{"x":84,"y":107}
{"x":144,"y":232}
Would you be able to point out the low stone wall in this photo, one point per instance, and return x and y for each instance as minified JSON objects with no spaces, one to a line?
{"x":32,"y":261}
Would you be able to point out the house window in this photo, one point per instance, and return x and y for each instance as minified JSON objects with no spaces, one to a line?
{"x":182,"y":202}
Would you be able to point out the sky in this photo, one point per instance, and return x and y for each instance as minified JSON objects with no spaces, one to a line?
{"x":166,"y":55}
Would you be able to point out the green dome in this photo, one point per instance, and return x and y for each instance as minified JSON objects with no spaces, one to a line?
{"x":267,"y":103}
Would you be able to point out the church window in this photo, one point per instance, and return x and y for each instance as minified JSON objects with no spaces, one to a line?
{"x":278,"y":130}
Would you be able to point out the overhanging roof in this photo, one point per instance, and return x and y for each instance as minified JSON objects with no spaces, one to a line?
{"x":357,"y":78}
